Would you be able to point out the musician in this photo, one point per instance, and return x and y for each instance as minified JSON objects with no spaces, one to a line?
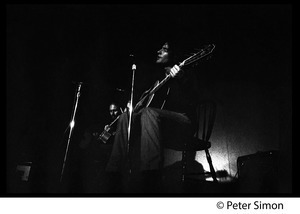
{"x":93,"y":133}
{"x":162,"y":121}
{"x":95,"y":153}
{"x":109,"y":130}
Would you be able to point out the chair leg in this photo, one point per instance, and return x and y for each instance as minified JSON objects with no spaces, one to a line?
{"x":183,"y":162}
{"x":212,"y":170}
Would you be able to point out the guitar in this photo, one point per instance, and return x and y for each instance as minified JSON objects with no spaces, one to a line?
{"x":107,"y":133}
{"x":193,"y":58}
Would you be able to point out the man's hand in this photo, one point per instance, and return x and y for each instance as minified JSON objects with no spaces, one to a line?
{"x":107,"y":128}
{"x":174,"y":71}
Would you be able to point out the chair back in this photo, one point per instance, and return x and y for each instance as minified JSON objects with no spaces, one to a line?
{"x":206,"y":114}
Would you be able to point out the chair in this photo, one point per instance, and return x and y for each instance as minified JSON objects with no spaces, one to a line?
{"x":206,"y":113}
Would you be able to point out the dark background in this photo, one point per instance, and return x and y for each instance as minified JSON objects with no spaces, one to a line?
{"x":48,"y":47}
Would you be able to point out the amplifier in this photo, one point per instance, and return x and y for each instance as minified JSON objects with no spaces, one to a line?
{"x":258,"y":172}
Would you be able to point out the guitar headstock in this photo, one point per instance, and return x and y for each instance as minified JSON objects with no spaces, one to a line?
{"x":208,"y":49}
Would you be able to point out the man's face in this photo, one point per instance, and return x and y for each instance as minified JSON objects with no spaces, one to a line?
{"x":113,"y":111}
{"x":163,"y":54}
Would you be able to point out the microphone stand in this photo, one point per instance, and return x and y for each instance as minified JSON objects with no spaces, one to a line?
{"x":72,"y":124}
{"x":130,"y":113}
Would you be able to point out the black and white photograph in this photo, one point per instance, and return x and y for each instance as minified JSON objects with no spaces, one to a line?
{"x":122,"y":100}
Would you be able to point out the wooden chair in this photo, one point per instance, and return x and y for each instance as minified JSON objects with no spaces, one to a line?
{"x":206,"y":113}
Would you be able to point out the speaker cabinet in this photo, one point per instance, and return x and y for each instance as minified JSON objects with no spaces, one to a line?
{"x":258,"y":173}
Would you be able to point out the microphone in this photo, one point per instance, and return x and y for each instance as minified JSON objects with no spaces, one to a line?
{"x":78,"y":86}
{"x":133,"y":59}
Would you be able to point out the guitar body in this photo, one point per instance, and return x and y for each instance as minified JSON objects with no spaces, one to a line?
{"x":108,"y":131}
{"x":104,"y":136}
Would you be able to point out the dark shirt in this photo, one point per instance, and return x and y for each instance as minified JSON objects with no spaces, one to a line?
{"x":179,"y":94}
